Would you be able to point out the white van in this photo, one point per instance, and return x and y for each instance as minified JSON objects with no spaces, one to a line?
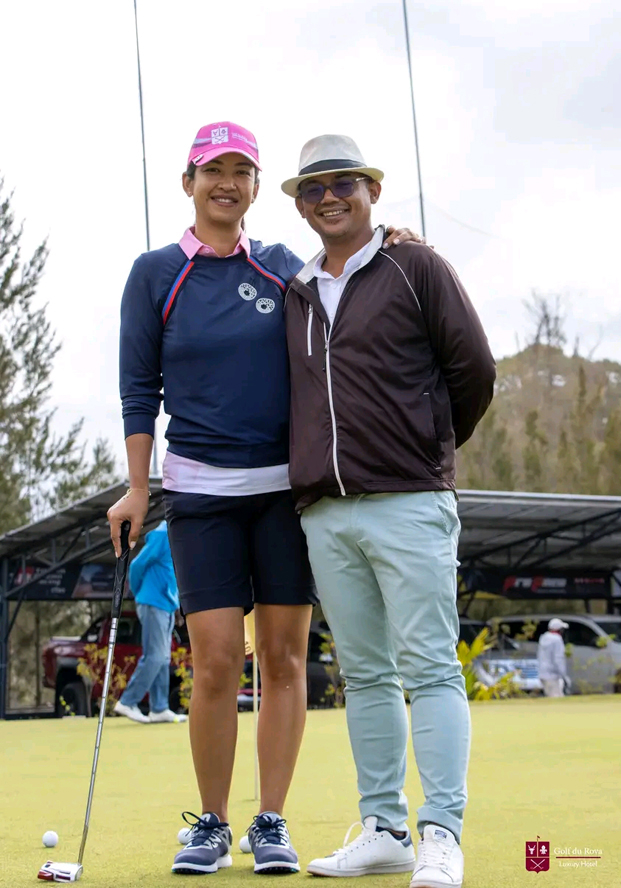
{"x":593,"y":645}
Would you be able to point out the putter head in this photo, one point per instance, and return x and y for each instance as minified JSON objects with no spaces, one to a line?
{"x":60,"y":872}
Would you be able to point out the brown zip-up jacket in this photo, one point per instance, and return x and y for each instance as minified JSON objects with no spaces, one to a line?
{"x":381,"y":399}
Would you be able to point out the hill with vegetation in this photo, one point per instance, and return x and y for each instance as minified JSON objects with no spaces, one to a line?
{"x":555,"y":422}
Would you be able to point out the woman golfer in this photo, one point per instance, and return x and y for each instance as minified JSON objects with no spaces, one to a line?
{"x":202,"y":322}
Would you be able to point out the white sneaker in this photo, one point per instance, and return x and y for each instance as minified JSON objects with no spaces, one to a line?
{"x":440,"y":860}
{"x":131,"y":712}
{"x":369,"y":853}
{"x":167,"y":716}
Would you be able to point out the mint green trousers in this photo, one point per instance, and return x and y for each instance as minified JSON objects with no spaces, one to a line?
{"x":385,"y":566}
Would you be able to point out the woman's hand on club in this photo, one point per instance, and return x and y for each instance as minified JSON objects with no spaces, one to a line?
{"x":132,"y":507}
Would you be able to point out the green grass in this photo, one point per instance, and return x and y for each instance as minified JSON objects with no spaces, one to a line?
{"x":538,"y":767}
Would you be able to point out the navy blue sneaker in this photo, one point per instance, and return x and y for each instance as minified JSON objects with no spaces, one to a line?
{"x":209,"y":848}
{"x":270,"y":843}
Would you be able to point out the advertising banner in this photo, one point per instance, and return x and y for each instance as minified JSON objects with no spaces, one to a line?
{"x":73,"y":582}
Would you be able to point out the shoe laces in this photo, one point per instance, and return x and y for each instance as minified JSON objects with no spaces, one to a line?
{"x":431,"y":853}
{"x":204,"y":832}
{"x":269,"y":832}
{"x":365,"y":836}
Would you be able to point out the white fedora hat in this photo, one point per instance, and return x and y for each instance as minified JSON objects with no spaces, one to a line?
{"x":329,"y":154}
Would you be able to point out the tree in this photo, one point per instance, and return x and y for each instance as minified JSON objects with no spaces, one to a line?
{"x":487,"y":461}
{"x":40,"y":470}
{"x":610,"y":459}
{"x":548,"y":320}
{"x":566,"y":471}
{"x":555,"y":423}
{"x":583,"y":443}
{"x":535,"y":453}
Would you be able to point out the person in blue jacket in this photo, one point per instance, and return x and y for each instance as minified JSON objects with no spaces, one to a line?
{"x":152,"y":580}
{"x":202,"y":326}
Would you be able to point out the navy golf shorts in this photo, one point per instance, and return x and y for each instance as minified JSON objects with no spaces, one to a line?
{"x":233,"y":551}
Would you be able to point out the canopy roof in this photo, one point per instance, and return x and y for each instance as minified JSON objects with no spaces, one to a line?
{"x":500,"y":529}
{"x":501,"y":532}
{"x":80,"y":531}
{"x":551,"y":531}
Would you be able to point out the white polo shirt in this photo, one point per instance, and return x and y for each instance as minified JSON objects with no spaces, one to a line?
{"x":331,"y":288}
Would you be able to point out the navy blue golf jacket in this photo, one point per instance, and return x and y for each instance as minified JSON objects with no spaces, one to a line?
{"x":209,"y":333}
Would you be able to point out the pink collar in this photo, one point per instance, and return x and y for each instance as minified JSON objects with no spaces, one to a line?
{"x":191,"y":245}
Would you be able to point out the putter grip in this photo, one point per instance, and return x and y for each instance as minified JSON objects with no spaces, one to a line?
{"x":120,"y":573}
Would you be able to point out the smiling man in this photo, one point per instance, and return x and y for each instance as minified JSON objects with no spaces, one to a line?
{"x":390,"y":372}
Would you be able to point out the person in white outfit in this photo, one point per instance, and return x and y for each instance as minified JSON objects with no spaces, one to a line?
{"x":552,"y":660}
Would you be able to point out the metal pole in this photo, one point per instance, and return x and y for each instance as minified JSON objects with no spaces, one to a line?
{"x":420,"y":180}
{"x":144,"y":153}
{"x":37,"y":610}
{"x":146,"y":190}
{"x":4,"y":638}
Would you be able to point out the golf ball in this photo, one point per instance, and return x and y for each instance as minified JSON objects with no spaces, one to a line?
{"x":244,"y":845}
{"x":184,"y":835}
{"x":50,"y":839}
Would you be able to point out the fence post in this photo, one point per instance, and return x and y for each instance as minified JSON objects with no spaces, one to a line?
{"x":4,"y":638}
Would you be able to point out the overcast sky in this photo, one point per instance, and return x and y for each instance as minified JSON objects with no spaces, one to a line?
{"x":519,"y":116}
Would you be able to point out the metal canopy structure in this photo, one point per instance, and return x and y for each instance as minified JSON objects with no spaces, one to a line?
{"x":502,"y":533}
{"x":79,"y":531}
{"x":76,"y":535}
{"x":528,"y":531}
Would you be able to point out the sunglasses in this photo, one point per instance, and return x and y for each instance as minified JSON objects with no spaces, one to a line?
{"x":312,"y":192}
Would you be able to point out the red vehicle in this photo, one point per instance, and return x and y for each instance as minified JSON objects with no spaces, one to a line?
{"x":61,"y":655}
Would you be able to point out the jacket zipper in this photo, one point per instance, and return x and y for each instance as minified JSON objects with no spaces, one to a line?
{"x":309,"y":331}
{"x":332,"y":414}
{"x":326,"y":367}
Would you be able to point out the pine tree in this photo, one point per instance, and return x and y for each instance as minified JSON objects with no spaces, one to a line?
{"x":566,"y":471}
{"x":583,"y":443}
{"x":610,"y":459}
{"x":487,"y":462}
{"x":535,"y":454}
{"x":40,"y":470}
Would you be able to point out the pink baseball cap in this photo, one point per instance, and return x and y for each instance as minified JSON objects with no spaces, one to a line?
{"x":223,"y":138}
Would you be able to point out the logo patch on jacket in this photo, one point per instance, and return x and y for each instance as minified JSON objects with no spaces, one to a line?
{"x":247,"y":292}
{"x":265,"y":305}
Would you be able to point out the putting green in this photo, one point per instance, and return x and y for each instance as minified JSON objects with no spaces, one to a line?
{"x":539,"y":767}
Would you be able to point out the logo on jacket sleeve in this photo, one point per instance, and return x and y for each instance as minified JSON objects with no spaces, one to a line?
{"x":265,"y":305}
{"x":537,"y":856}
{"x":247,"y":292}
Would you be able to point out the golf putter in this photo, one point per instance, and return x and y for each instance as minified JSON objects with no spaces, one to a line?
{"x":71,"y":872}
